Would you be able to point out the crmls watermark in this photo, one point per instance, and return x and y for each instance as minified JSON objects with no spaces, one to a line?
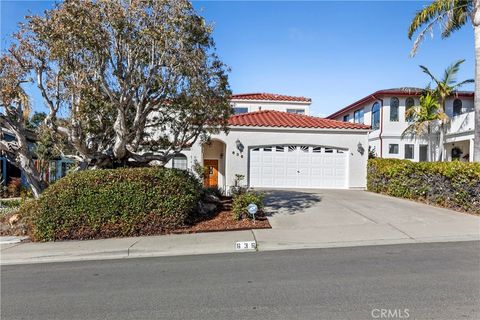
{"x":390,"y":313}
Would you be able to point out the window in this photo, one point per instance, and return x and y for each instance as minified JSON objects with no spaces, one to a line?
{"x":239,"y":110}
{"x":52,"y":175}
{"x":304,"y":148}
{"x":180,"y":162}
{"x":279,"y":149}
{"x":292,"y":148}
{"x":328,"y":150}
{"x":376,"y":116}
{"x":423,"y":154}
{"x":394,"y":105}
{"x":317,"y":149}
{"x":393,"y":148}
{"x":409,"y":151}
{"x":457,"y":107}
{"x":358,"y":116}
{"x":409,"y":103}
{"x":296,"y":111}
{"x":267,"y":149}
{"x":346,"y":118}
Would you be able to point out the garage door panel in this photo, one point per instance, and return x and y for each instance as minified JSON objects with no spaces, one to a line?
{"x":298,"y":167}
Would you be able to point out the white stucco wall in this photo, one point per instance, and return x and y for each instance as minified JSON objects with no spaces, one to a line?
{"x":236,"y":162}
{"x":392,"y":130}
{"x":270,"y":105}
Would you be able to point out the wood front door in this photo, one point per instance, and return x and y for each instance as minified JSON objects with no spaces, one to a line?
{"x":211,"y":176}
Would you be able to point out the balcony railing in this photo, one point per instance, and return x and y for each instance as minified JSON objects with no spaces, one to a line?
{"x":462,"y":123}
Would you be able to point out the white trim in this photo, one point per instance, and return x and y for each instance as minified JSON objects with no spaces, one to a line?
{"x":272,"y":101}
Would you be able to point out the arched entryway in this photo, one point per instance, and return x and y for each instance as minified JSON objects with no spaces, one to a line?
{"x":214,"y":153}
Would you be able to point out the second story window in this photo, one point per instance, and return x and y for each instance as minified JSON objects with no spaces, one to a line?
{"x":409,"y":103}
{"x":457,"y":107}
{"x":394,"y":105}
{"x":358,"y":116}
{"x":346,"y":118}
{"x":376,"y":116}
{"x":239,"y":110}
{"x":296,"y":111}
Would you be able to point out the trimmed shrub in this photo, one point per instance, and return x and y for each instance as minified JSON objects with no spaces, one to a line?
{"x":114,"y":203}
{"x":241,"y":202}
{"x":454,"y":185}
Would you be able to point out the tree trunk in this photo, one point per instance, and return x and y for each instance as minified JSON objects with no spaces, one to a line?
{"x":120,"y":144}
{"x":441,"y":143}
{"x":33,"y":176}
{"x":476,"y":140}
{"x":35,"y":182}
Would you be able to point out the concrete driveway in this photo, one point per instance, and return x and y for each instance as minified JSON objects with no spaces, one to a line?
{"x":330,"y":218}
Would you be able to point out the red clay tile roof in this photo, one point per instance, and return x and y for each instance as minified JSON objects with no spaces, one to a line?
{"x":269,"y":96}
{"x":271,"y":118}
{"x":406,"y":91}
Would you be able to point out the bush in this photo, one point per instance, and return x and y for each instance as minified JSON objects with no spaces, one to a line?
{"x":454,"y":185}
{"x":9,"y":206}
{"x":241,"y":202}
{"x":215,"y":191}
{"x":14,"y":187}
{"x":114,"y":203}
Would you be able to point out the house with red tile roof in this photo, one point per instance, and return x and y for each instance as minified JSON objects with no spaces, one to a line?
{"x":384,"y":110}
{"x":249,"y":102}
{"x":274,"y":143}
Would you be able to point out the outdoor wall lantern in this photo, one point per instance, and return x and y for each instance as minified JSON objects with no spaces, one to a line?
{"x":360,"y":148}
{"x":240,"y":146}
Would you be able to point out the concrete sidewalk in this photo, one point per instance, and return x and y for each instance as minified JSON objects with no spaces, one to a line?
{"x":118,"y":248}
{"x":209,"y":243}
{"x":301,"y":219}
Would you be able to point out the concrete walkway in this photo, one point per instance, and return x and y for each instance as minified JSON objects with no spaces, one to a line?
{"x":300,"y":219}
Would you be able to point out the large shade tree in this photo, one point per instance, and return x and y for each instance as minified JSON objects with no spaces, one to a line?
{"x":14,"y":120}
{"x":126,"y":82}
{"x":451,"y":15}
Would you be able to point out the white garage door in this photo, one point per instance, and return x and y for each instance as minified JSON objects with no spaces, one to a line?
{"x":296,"y":166}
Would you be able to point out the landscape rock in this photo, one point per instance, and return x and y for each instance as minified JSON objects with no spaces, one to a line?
{"x":211,"y":198}
{"x":206,"y":209}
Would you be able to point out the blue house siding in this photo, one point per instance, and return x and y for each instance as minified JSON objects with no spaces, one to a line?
{"x":61,"y":167}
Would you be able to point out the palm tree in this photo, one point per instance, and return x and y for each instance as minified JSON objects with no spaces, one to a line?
{"x":445,"y":87}
{"x":451,"y":15}
{"x":427,"y":119}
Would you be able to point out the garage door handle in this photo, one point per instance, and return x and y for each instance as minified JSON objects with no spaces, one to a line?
{"x":298,"y":171}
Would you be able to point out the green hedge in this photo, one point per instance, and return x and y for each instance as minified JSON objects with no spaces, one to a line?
{"x":113,"y":203}
{"x":241,"y":202}
{"x":454,"y":185}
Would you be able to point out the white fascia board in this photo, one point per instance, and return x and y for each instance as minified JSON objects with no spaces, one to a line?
{"x":460,"y":134}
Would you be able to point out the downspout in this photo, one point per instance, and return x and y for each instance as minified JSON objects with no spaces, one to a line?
{"x":381,"y":125}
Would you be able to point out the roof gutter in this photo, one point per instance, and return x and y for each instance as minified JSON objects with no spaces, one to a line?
{"x":381,"y":124}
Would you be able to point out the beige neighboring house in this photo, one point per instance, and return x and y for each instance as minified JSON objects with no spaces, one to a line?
{"x":273,"y":143}
{"x":384,"y":111}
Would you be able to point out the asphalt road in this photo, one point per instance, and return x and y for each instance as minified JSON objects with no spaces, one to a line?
{"x":413,"y":281}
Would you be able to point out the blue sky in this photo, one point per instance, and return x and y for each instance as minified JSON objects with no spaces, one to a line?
{"x":333,"y":52}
